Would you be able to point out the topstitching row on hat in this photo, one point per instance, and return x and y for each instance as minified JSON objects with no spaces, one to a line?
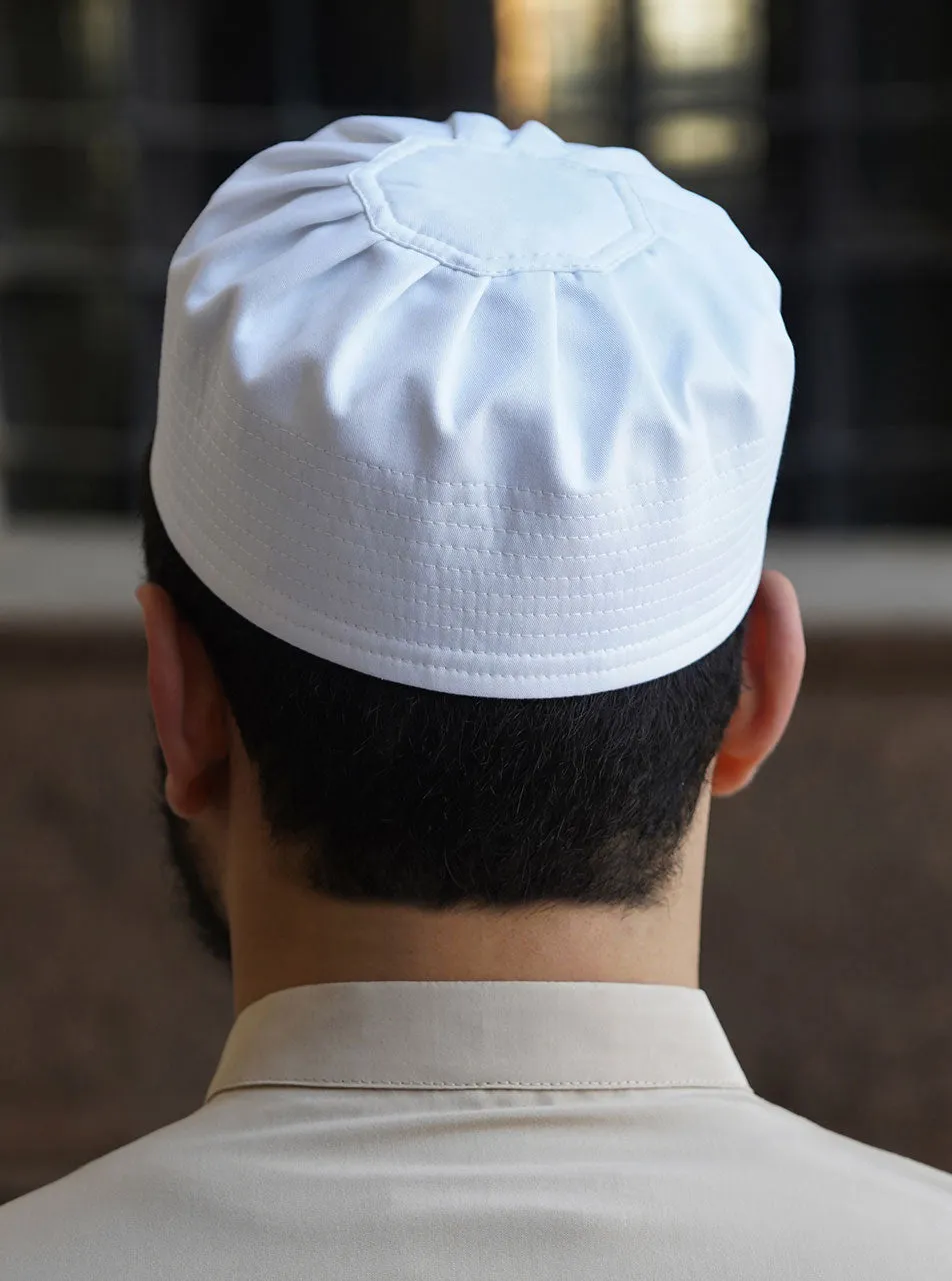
{"x":636,"y":551}
{"x":630,"y":512}
{"x":204,"y":444}
{"x":227,"y":571}
{"x":404,"y":591}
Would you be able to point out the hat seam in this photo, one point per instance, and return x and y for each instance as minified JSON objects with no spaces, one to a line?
{"x":421,"y":243}
{"x":404,"y":618}
{"x":369,"y":650}
{"x":708,"y":485}
{"x":413,"y":560}
{"x":357,"y":588}
{"x":206,"y":361}
{"x":203,"y":445}
{"x":343,"y":521}
{"x":313,"y":629}
{"x":458,"y":259}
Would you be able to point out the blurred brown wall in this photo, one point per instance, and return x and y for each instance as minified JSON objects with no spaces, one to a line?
{"x":827,"y":949}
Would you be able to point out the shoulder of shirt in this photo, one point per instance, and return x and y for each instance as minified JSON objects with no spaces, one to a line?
{"x":815,"y":1143}
{"x":91,"y":1193}
{"x":92,"y":1201}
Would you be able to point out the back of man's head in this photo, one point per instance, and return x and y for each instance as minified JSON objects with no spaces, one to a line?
{"x":416,"y":796}
{"x":466,"y":444}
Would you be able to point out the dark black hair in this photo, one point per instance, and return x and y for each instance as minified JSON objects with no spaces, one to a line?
{"x":432,"y":800}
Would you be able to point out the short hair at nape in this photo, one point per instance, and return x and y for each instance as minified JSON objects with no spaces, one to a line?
{"x":393,"y":794}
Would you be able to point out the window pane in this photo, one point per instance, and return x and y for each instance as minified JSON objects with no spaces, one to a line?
{"x":42,"y":50}
{"x":789,"y":194}
{"x":907,"y":41}
{"x":903,"y":177}
{"x":64,"y":356}
{"x":235,"y":51}
{"x":902,"y":328}
{"x":787,"y":44}
{"x":76,"y":191}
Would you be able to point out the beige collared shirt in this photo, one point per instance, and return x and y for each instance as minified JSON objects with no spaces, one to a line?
{"x":468,"y":1131}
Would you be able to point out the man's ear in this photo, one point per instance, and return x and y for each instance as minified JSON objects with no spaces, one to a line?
{"x":774,"y":657}
{"x":188,"y":706}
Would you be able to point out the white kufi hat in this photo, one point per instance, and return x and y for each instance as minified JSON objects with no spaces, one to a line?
{"x":472,"y":409}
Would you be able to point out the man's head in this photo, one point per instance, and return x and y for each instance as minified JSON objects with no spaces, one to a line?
{"x":454,"y":524}
{"x":394,"y":795}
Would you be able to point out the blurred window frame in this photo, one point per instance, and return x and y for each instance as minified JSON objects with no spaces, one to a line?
{"x":75,"y":574}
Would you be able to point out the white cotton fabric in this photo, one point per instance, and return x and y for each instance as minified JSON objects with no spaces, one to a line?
{"x":426,"y":1131}
{"x":470,"y":408}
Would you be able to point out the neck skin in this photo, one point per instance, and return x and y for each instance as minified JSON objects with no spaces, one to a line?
{"x":284,"y":935}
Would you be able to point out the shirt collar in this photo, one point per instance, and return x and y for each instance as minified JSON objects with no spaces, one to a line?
{"x":479,"y":1035}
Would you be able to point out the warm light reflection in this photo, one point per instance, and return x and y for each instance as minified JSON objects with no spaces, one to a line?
{"x":523,"y":60}
{"x":546,"y":49}
{"x":699,"y":35}
{"x":702,"y":139}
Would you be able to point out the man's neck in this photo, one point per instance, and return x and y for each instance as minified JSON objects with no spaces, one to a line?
{"x":291,"y":938}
